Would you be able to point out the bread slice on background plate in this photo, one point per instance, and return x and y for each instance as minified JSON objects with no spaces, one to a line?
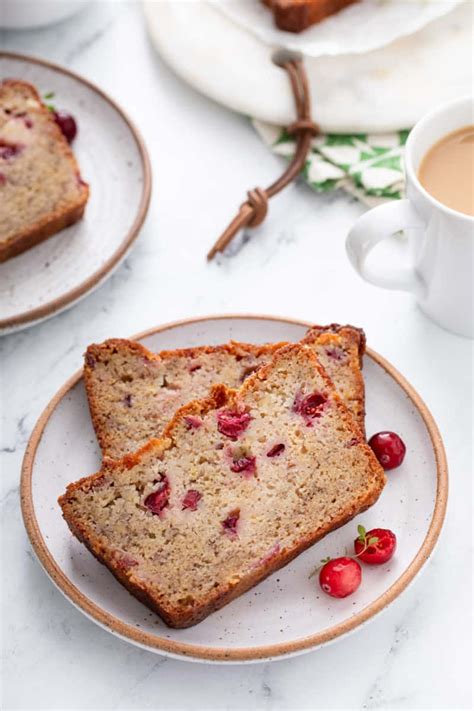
{"x":41,"y":190}
{"x":298,"y":15}
{"x":240,"y":484}
{"x":133,"y":392}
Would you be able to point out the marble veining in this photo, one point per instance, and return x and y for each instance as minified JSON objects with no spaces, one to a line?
{"x":417,"y":653}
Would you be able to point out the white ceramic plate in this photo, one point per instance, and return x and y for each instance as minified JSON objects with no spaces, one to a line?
{"x":58,"y":272}
{"x":287,"y":613}
{"x":385,"y":89}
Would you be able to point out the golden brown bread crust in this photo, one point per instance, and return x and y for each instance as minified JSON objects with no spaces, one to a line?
{"x":57,"y":219}
{"x":180,"y":617}
{"x":298,"y":15}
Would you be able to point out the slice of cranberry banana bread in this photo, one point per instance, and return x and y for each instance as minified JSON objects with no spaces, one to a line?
{"x":239,"y":485}
{"x":41,"y":190}
{"x":133,"y":393}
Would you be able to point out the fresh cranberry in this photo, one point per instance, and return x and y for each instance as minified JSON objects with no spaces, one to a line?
{"x":276,"y":450}
{"x":191,"y":500}
{"x":192,"y":422}
{"x":28,"y":122}
{"x":157,"y":500}
{"x":230,"y":523}
{"x":388,"y":448}
{"x":9,"y":150}
{"x":232,"y":424}
{"x":310,"y":407}
{"x":340,"y":577}
{"x":244,"y":465}
{"x":376,"y":546}
{"x":67,"y":124}
{"x":335,"y":353}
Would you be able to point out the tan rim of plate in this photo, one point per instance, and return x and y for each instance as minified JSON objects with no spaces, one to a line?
{"x":239,"y":654}
{"x":75,"y":294}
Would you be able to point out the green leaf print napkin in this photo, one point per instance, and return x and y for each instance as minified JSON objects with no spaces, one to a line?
{"x":368,"y":166}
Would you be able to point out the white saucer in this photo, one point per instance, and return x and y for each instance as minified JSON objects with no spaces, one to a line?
{"x":57,"y":273}
{"x":287,"y":614}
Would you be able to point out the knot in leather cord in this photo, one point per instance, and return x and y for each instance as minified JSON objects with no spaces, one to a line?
{"x":303,"y":125}
{"x":253,"y":211}
{"x":258,"y":201}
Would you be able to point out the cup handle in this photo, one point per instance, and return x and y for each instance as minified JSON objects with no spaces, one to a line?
{"x":371,"y":228}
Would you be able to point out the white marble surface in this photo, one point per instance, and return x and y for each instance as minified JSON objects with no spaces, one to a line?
{"x":417,"y":655}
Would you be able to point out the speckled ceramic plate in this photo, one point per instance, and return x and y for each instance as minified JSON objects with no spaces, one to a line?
{"x":57,"y":273}
{"x":287,"y":613}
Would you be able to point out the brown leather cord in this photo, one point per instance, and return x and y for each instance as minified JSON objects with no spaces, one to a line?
{"x":253,"y":211}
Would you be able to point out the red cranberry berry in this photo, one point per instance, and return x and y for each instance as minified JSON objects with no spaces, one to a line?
{"x":310,"y":407}
{"x":157,"y":500}
{"x":232,"y":424}
{"x":388,"y":448}
{"x":340,"y":577}
{"x":376,"y":546}
{"x":276,"y":450}
{"x":244,"y":465}
{"x":230,"y":523}
{"x":191,"y":500}
{"x":67,"y":124}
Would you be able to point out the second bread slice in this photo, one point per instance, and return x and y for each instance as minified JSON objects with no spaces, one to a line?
{"x":133,"y":393}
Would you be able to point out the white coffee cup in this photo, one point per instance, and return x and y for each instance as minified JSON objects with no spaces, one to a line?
{"x":441,"y":240}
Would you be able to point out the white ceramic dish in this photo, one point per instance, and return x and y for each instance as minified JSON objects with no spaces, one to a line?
{"x":286,"y":614}
{"x":58,"y":272}
{"x":386,"y":89}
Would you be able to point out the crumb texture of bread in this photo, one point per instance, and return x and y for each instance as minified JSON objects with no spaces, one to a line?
{"x":133,"y":393}
{"x":240,"y":484}
{"x":41,"y":190}
{"x":298,"y":15}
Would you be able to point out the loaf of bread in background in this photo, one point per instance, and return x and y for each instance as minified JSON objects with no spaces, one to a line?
{"x":297,"y":15}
